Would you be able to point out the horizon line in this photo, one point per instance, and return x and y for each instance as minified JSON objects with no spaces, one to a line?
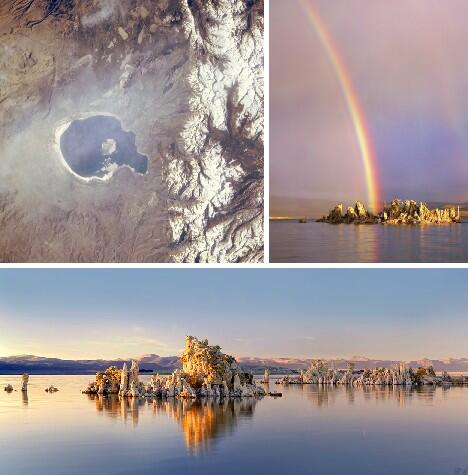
{"x":335,"y":358}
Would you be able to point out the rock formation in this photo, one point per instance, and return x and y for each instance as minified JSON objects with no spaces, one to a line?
{"x":266,"y":377}
{"x":123,"y":388}
{"x":24,"y":382}
{"x":206,"y":372}
{"x":320,"y":372}
{"x":398,"y":212}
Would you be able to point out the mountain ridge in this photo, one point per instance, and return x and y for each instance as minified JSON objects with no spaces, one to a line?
{"x":34,"y":364}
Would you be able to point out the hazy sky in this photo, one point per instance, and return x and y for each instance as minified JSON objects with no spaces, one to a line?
{"x":90,"y":313}
{"x":408,"y":62}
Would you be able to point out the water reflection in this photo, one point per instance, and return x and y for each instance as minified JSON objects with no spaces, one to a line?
{"x":378,"y":430}
{"x":365,"y":238}
{"x":204,"y":421}
{"x":321,"y":242}
{"x":116,"y":407}
{"x":324,"y":396}
{"x":201,"y":421}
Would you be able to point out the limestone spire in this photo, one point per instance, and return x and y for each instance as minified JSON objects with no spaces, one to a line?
{"x":134,"y":372}
{"x":25,"y":380}
{"x":124,"y":378}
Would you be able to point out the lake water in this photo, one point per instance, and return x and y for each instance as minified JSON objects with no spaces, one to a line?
{"x":310,"y":430}
{"x":294,"y":242}
{"x":81,"y":146}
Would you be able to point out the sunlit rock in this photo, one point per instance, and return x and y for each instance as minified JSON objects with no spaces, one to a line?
{"x":335,"y":216}
{"x":360,"y":210}
{"x":350,"y":215}
{"x":237,"y":386}
{"x":107,"y":382}
{"x":266,"y":376}
{"x":322,"y":373}
{"x":133,"y":377}
{"x":206,"y":373}
{"x":187,"y":391}
{"x":398,"y":212}
{"x":123,"y":380}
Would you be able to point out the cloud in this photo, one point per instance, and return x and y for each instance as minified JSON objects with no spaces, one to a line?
{"x":107,"y":8}
{"x":308,"y":338}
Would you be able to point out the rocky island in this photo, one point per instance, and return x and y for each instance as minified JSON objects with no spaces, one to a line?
{"x":206,"y":373}
{"x":398,"y":212}
{"x":24,"y":386}
{"x":321,"y":372}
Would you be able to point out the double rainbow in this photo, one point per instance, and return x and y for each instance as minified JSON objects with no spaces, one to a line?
{"x":352,"y":101}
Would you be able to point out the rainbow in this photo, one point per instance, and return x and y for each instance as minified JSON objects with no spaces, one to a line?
{"x":352,"y":101}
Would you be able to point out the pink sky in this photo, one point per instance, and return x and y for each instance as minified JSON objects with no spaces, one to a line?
{"x":407,"y":59}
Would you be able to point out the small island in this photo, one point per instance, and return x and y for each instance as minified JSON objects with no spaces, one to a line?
{"x":206,"y":373}
{"x":321,"y":372}
{"x":398,"y":212}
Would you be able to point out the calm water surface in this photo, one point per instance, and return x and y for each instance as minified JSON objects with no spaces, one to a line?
{"x":310,"y":430}
{"x":291,"y":241}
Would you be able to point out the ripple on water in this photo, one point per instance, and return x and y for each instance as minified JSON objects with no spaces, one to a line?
{"x":311,"y":429}
{"x":291,"y":241}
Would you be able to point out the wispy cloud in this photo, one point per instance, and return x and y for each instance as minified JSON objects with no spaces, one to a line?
{"x":106,"y":10}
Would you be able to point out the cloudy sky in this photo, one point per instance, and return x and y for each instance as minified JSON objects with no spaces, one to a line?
{"x":90,"y":313}
{"x":408,"y":63}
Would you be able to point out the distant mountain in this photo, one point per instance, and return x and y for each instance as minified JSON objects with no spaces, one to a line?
{"x":40,"y":365}
{"x":165,"y":364}
{"x":444,"y":204}
{"x":463,"y":207}
{"x":281,"y":206}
